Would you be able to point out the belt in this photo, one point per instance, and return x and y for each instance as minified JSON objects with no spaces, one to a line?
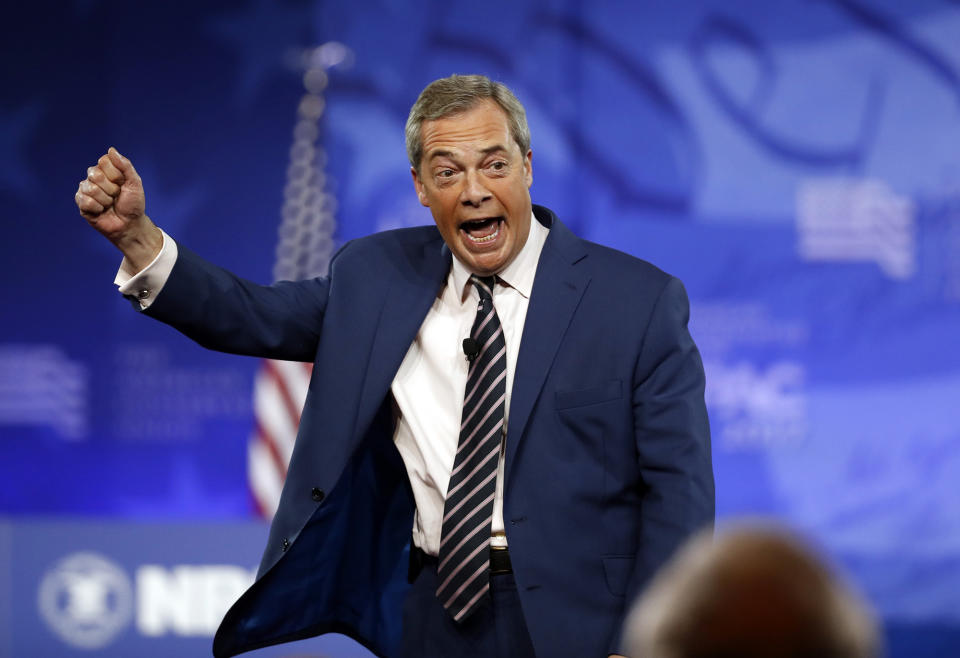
{"x":499,"y":561}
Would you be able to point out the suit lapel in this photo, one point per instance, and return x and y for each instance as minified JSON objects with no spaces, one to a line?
{"x":409,"y":296}
{"x":557,"y":290}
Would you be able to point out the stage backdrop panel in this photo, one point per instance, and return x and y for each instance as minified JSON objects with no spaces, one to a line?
{"x":796,"y":164}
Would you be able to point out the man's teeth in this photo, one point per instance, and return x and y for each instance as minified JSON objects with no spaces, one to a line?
{"x":487,"y":238}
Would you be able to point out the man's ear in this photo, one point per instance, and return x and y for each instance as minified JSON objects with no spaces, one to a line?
{"x":528,"y":166}
{"x":418,"y":186}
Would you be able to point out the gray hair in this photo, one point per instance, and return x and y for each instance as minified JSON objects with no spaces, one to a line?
{"x":459,"y":93}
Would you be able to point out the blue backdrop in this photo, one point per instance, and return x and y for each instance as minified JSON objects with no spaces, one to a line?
{"x":796,"y":163}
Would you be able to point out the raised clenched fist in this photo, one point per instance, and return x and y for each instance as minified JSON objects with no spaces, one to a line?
{"x":111,"y":199}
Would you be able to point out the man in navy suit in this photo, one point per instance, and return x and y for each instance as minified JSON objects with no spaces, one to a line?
{"x":601,"y":462}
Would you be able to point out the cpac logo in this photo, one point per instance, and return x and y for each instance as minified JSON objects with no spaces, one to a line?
{"x":87,"y":600}
{"x":754,"y":406}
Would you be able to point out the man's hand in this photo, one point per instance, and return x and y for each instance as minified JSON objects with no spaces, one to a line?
{"x":111,"y":199}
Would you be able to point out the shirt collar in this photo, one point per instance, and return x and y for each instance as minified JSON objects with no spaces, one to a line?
{"x":519,"y":274}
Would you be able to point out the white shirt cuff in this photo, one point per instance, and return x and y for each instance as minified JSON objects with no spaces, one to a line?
{"x":145,"y":285}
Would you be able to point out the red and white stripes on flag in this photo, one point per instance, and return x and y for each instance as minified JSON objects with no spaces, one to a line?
{"x":279,"y":391}
{"x":304,"y":248}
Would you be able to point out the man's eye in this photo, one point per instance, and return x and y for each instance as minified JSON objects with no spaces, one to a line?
{"x":445,"y":173}
{"x":499,"y":165}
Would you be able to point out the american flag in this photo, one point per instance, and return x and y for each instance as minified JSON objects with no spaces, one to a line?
{"x":280,"y":389}
{"x":304,"y":247}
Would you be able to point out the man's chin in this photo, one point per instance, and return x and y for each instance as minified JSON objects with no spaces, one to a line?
{"x":482,"y":261}
{"x":483,"y":264}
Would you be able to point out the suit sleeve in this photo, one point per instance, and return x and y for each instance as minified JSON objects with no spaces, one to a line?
{"x":224,"y":312}
{"x":672,"y":438}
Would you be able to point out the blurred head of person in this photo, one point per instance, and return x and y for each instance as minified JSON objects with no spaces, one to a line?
{"x":753,"y":591}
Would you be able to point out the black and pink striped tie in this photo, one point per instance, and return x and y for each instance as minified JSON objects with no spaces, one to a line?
{"x":464,"y":565}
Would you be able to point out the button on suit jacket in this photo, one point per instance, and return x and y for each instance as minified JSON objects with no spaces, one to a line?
{"x":608,"y":465}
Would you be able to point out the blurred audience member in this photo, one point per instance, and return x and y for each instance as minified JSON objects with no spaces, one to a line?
{"x":753,"y":591}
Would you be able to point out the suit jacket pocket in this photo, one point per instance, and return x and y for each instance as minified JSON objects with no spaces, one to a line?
{"x":611,"y":390}
{"x":618,"y":569}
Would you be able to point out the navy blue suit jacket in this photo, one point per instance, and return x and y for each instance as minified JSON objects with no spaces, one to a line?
{"x":608,"y":465}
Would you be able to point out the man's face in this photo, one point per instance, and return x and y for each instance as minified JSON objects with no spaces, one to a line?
{"x":476,"y":183}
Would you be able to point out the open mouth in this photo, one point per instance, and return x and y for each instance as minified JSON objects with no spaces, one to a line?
{"x":482,"y":231}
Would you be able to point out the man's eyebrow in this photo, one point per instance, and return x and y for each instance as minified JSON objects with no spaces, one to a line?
{"x":443,"y":153}
{"x":493,"y":149}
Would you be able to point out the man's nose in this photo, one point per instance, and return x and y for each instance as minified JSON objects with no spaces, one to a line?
{"x":474,"y":191}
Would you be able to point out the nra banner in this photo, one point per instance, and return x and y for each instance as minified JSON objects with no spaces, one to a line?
{"x":86,"y":588}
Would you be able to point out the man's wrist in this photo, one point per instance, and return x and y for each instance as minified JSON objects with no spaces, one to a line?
{"x":140,"y":247}
{"x":144,"y":284}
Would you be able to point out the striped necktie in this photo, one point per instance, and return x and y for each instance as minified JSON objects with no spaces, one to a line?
{"x":464,"y":566}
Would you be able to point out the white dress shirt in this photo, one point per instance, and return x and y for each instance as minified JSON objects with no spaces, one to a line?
{"x":428,"y":388}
